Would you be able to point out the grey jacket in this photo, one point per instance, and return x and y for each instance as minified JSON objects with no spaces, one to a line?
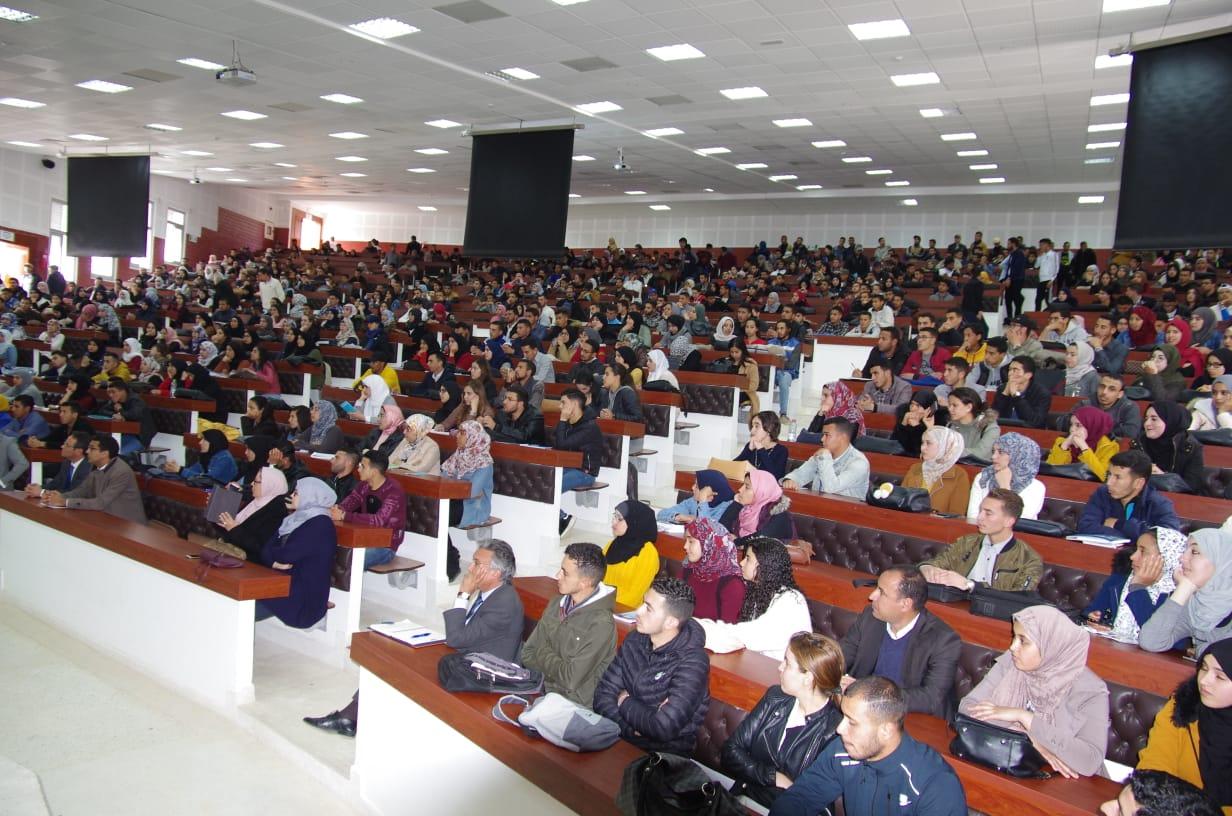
{"x":112,"y":490}
{"x":495,"y":628}
{"x":847,"y":475}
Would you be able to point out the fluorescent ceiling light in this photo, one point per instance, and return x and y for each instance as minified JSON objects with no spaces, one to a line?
{"x":341,"y":98}
{"x":1101,"y":160}
{"x":283,"y":164}
{"x":958,"y":137}
{"x":574,"y":195}
{"x":712,"y":151}
{"x":898,"y":184}
{"x":856,"y":159}
{"x":384,"y":28}
{"x":751,"y":92}
{"x":667,"y":131}
{"x":635,"y":192}
{"x":752,"y":166}
{"x":931,"y":113}
{"x":790,"y":123}
{"x":909,"y":202}
{"x":1091,"y":199}
{"x":659,"y":207}
{"x":808,"y":186}
{"x":420,"y":170}
{"x":290,"y":178}
{"x":16,"y":15}
{"x":194,"y":62}
{"x":1109,"y":61}
{"x":354,"y":175}
{"x":591,"y":108}
{"x":17,"y":102}
{"x":582,"y":157}
{"x":167,"y":128}
{"x":878,"y":172}
{"x":1109,"y":99}
{"x":444,"y":124}
{"x":426,"y":208}
{"x":1111,"y":6}
{"x":350,"y":158}
{"x":784,"y":177}
{"x":266,"y":145}
{"x":238,"y":179}
{"x":982,"y":166}
{"x":910,"y":80}
{"x":707,"y":189}
{"x":829,"y":143}
{"x":348,"y":134}
{"x":1102,"y":145}
{"x":103,"y":86}
{"x":1105,"y":128}
{"x":671,"y":53}
{"x":87,"y":137}
{"x":432,"y":151}
{"x":219,"y":169}
{"x":519,"y":73}
{"x":992,"y":180}
{"x":246,"y":115}
{"x":196,"y":153}
{"x":568,"y":2}
{"x":970,"y":154}
{"x":879,"y":30}
{"x":19,"y":143}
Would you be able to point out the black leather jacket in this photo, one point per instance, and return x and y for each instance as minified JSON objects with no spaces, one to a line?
{"x":752,"y":755}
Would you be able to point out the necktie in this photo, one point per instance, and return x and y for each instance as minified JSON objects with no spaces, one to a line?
{"x":474,"y":608}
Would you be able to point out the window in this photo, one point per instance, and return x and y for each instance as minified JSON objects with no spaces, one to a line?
{"x":101,"y":267}
{"x":59,"y":242}
{"x":173,"y":247}
{"x":144,"y":261}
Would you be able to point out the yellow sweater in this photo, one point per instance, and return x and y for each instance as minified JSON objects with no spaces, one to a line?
{"x":388,"y":374}
{"x":632,"y":578}
{"x":1173,"y":749}
{"x":1095,"y":458}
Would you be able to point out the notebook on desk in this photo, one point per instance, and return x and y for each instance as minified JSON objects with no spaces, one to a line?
{"x":408,"y":632}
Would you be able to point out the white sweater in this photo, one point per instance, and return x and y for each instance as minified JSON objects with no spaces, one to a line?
{"x":787,"y":614}
{"x":1032,"y":498}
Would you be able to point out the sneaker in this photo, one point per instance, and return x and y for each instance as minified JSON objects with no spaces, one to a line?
{"x":566,"y":524}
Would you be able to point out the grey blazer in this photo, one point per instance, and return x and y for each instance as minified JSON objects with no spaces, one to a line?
{"x":113,"y":490}
{"x":496,"y":626}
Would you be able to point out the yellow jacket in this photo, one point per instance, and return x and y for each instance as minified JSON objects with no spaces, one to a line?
{"x":1173,"y":749}
{"x":1095,"y":458}
{"x":632,"y":578}
{"x":972,"y":357}
{"x":120,"y":372}
{"x":388,"y":374}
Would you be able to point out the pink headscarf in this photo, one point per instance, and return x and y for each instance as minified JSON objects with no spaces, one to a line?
{"x":273,"y":485}
{"x":1063,"y":649}
{"x":766,"y":490}
{"x":718,"y":550}
{"x":391,"y":421}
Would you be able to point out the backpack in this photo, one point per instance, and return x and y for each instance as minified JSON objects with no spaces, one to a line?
{"x":561,"y":722}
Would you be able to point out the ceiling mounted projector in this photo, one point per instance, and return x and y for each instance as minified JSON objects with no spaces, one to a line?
{"x":237,"y":73}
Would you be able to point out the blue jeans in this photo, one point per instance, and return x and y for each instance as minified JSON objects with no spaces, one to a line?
{"x":573,"y":478}
{"x":784,"y":379}
{"x":375,"y":556}
{"x":129,"y":444}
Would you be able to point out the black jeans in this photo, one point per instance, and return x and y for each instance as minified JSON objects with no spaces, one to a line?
{"x":1014,"y":299}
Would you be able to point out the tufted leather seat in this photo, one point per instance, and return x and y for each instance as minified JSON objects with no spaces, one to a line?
{"x":707,"y":399}
{"x":232,"y":400}
{"x":168,"y":420}
{"x":422,"y":515}
{"x":184,"y":518}
{"x":289,"y":382}
{"x":658,"y":419}
{"x":523,"y":480}
{"x":722,"y":720}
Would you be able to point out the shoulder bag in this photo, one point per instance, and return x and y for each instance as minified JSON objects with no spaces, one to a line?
{"x":907,"y":499}
{"x":485,"y":672}
{"x":560,"y":721}
{"x":1003,"y":749}
{"x":670,"y":785}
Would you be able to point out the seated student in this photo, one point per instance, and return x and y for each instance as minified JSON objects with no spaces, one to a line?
{"x":1140,"y":582}
{"x":282,"y":456}
{"x":128,"y":407}
{"x":875,"y":762}
{"x":72,"y":419}
{"x":1015,"y":464}
{"x":631,"y":557}
{"x":977,"y":427}
{"x":837,"y":401}
{"x":471,"y":462}
{"x":947,"y":484}
{"x":111,"y":485}
{"x":303,"y":544}
{"x":1126,"y":504}
{"x":1155,"y":793}
{"x":889,"y":350}
{"x":1166,"y":440}
{"x":576,"y":431}
{"x":925,"y":364}
{"x":974,"y":346}
{"x":1021,"y":398}
{"x":884,"y":393}
{"x":1042,"y":686}
{"x":989,"y":374}
{"x":113,"y":369}
{"x":1192,"y":735}
{"x":324,"y":435}
{"x":256,"y":522}
{"x":73,"y":472}
{"x":955,"y":375}
{"x":388,"y":433}
{"x":342,"y":472}
{"x":1110,"y":352}
{"x":1110,"y":398}
{"x":1201,"y":605}
{"x":518,"y":422}
{"x":374,"y":395}
{"x":657,"y":689}
{"x":617,"y":398}
{"x":760,"y":507}
{"x":474,"y":406}
{"x":418,"y":451}
{"x":299,"y":426}
{"x":215,"y":460}
{"x":377,"y":501}
{"x":259,"y":419}
{"x":1087,"y":442}
{"x":1081,"y":378}
{"x":378,"y":366}
{"x":763,"y":450}
{"x":1161,"y":374}
{"x":921,"y":412}
{"x":791,"y":723}
{"x":773,"y":609}
{"x":837,"y":467}
{"x":438,"y":371}
{"x":896,"y":637}
{"x":711,"y":496}
{"x":575,"y":638}
{"x":993,"y":556}
{"x":711,"y":567}
{"x":488,"y":582}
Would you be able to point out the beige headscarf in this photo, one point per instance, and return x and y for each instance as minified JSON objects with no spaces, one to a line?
{"x":949,"y":450}
{"x":1063,"y":655}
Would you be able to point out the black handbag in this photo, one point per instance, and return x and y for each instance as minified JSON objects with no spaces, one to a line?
{"x":1170,"y":483}
{"x":907,"y":499}
{"x":1071,"y":470}
{"x":670,"y":785}
{"x":484,"y":672}
{"x":1052,"y":529}
{"x":1216,"y":436}
{"x":1002,"y":604}
{"x":944,"y":593}
{"x":1004,"y":749}
{"x":878,"y":444}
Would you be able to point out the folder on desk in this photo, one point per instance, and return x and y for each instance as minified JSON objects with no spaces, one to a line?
{"x":408,"y":632}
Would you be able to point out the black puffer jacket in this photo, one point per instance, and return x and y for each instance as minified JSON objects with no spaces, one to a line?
{"x":1187,"y":461}
{"x":754,"y":754}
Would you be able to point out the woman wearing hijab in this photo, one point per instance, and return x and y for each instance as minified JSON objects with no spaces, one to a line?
{"x":207,"y":353}
{"x":471,"y":462}
{"x":837,"y":400}
{"x":772,"y":303}
{"x":1192,"y":735}
{"x":374,"y":395}
{"x":1193,"y":359}
{"x":418,"y":451}
{"x":774,"y":608}
{"x":1214,"y":411}
{"x":324,"y":436}
{"x":1204,"y":324}
{"x":759,"y":506}
{"x":88,"y":317}
{"x":451,"y":398}
{"x":632,"y":560}
{"x":658,"y":371}
{"x":53,"y":337}
{"x":25,"y":385}
{"x":1140,"y":582}
{"x":1161,"y":374}
{"x":303,"y":544}
{"x":711,"y":496}
{"x":1081,"y":378}
{"x":1042,"y":687}
{"x":1142,"y":332}
{"x":1201,"y":605}
{"x":257,"y":521}
{"x":131,"y":354}
{"x":1218,"y":363}
{"x":1015,"y":464}
{"x":346,"y":328}
{"x":712,"y":569}
{"x":948,"y":486}
{"x":1088,"y":442}
{"x":256,"y":456}
{"x":8,"y":351}
{"x":1166,"y":440}
{"x":724,"y":333}
{"x":388,"y":432}
{"x":214,"y":461}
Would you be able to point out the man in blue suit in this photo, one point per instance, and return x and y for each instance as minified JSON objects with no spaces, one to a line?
{"x":75,"y":469}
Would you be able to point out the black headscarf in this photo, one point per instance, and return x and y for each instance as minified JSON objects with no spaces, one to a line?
{"x":218,"y":444}
{"x":261,"y":447}
{"x":1176,"y":419}
{"x":1214,"y":728}
{"x":642,"y":527}
{"x":455,"y":398}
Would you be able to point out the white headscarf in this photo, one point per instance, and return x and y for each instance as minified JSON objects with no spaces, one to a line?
{"x":1171,"y":544}
{"x":378,"y":393}
{"x":725,"y":332}
{"x":662,"y":372}
{"x":132,"y":348}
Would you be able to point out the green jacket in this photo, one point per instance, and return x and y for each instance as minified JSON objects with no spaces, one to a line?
{"x":573,"y":653}
{"x":1018,"y":567}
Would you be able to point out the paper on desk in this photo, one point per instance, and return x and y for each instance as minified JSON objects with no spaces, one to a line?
{"x":408,"y":632}
{"x":1098,"y":540}
{"x":669,"y":527}
{"x":326,"y":456}
{"x":1115,"y":771}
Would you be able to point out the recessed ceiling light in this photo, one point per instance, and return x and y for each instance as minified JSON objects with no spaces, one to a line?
{"x":958,"y":137}
{"x":354,"y":175}
{"x":591,"y":108}
{"x":751,"y":92}
{"x":879,"y":30}
{"x":103,"y":86}
{"x":265,"y":145}
{"x":1129,"y":5}
{"x":519,"y":73}
{"x":87,"y":137}
{"x":196,"y":153}
{"x":582,"y":157}
{"x":667,"y":131}
{"x":426,"y":208}
{"x":574,"y":195}
{"x":194,"y":62}
{"x":910,"y":80}
{"x":783,"y":177}
{"x":350,"y":158}
{"x":909,"y":202}
{"x":1109,"y":99}
{"x":856,"y":159}
{"x":219,"y":169}
{"x":829,"y":143}
{"x":1101,"y":160}
{"x":444,"y":124}
{"x":970,"y":154}
{"x":568,"y":2}
{"x":931,"y":113}
{"x":1110,"y":61}
{"x":982,"y":166}
{"x":432,"y":151}
{"x":420,"y":170}
{"x":290,"y":178}
{"x":246,"y":115}
{"x":238,"y":179}
{"x":707,"y":189}
{"x":671,"y":53}
{"x":1106,"y":128}
{"x":790,"y":123}
{"x":348,"y":134}
{"x":167,"y":128}
{"x":712,"y":151}
{"x":384,"y":28}
{"x":19,"y":143}
{"x":283,"y":164}
{"x":808,"y":186}
{"x":635,"y":192}
{"x":341,"y":98}
{"x":1102,"y":145}
{"x":898,"y":184}
{"x":752,"y":166}
{"x":17,"y":102}
{"x":659,"y":207}
{"x":1091,"y":199}
{"x":992,"y":180}
{"x":16,"y":15}
{"x":878,"y":172}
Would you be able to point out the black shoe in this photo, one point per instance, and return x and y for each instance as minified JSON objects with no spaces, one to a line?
{"x":335,"y":722}
{"x":566,"y":524}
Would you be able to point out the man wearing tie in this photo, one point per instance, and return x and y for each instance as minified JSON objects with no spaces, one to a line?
{"x":73,"y":472}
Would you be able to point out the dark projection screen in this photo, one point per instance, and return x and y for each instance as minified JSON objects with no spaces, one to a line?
{"x":107,"y":201}
{"x":1176,"y":171}
{"x":519,"y":196}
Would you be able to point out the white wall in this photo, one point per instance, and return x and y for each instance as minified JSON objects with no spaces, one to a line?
{"x":26,"y":191}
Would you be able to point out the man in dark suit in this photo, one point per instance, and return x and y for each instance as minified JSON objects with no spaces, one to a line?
{"x":71,"y":421}
{"x":111,"y":486}
{"x":897,"y":638}
{"x":73,"y":472}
